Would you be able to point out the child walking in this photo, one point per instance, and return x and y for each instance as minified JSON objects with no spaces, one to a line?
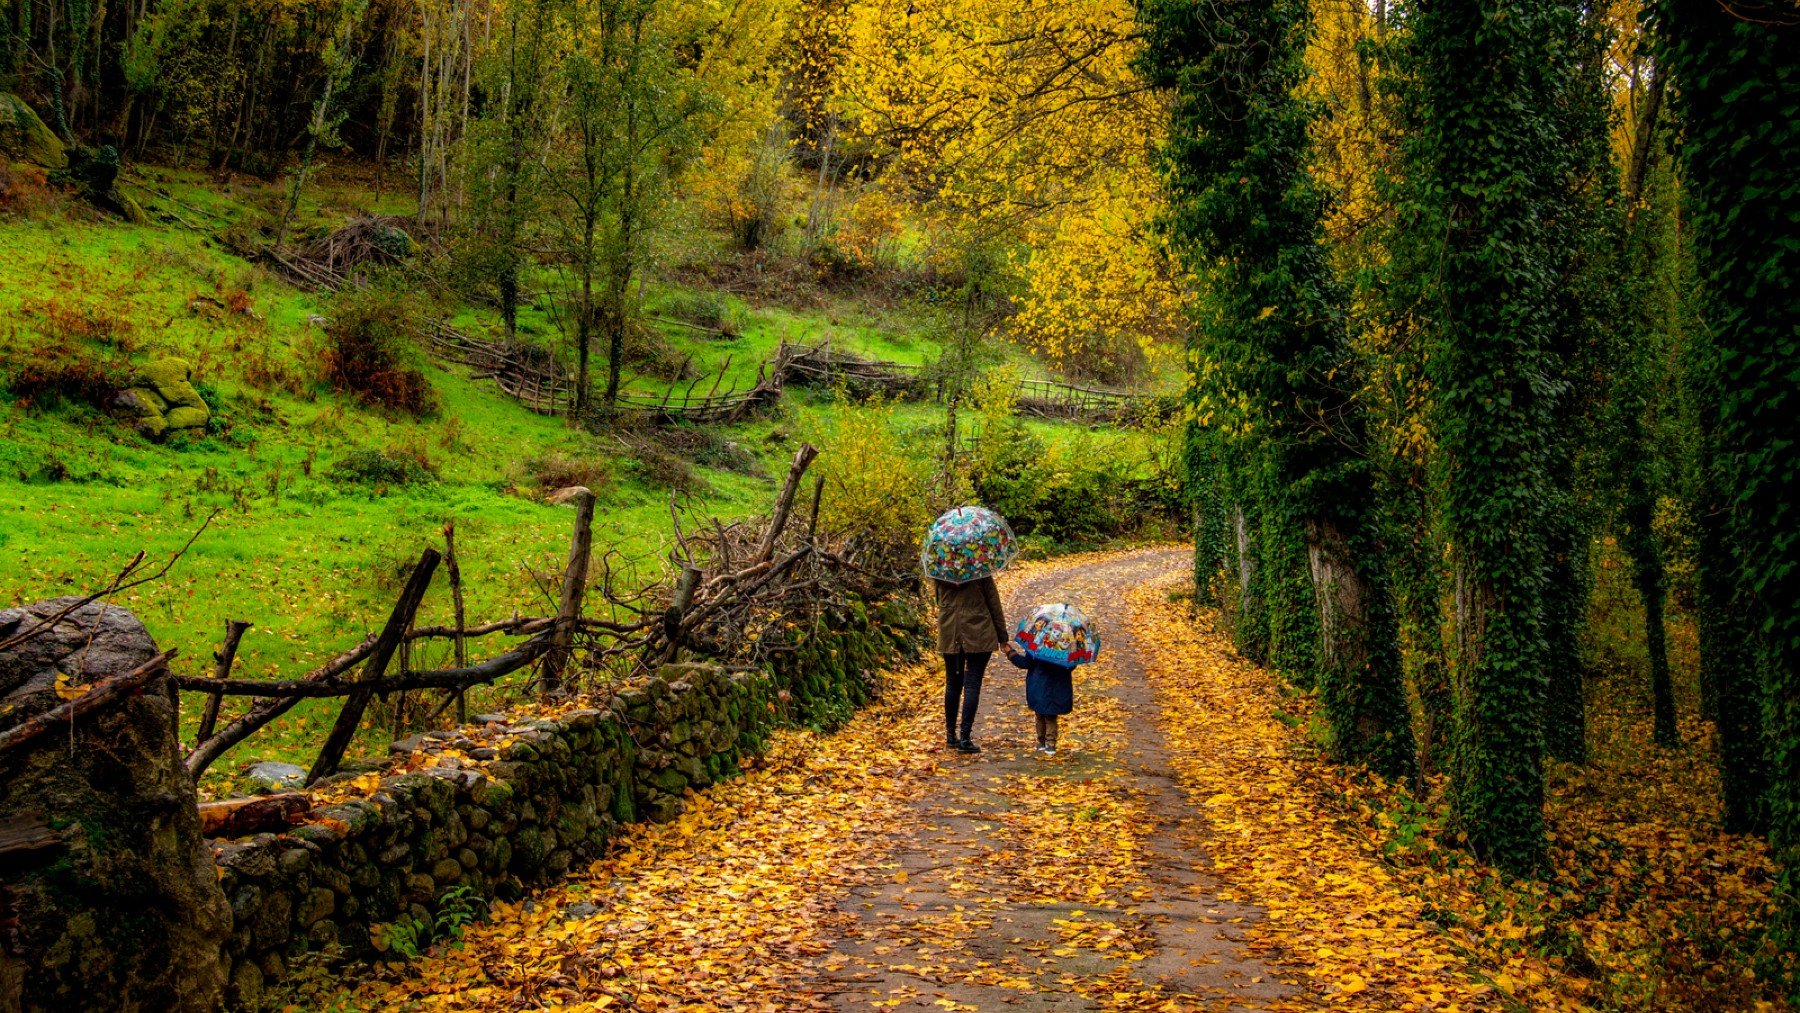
{"x":1049,"y":692}
{"x":1048,"y":644}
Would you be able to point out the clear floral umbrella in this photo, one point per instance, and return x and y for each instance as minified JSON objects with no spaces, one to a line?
{"x":967,"y":543}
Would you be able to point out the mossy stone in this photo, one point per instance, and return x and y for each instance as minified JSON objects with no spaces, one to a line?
{"x":170,"y":377}
{"x":26,"y":137}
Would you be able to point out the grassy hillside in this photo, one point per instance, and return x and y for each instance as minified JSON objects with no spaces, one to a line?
{"x":304,"y":544}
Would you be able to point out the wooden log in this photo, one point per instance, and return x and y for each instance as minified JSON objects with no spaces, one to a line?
{"x":332,"y":753}
{"x":27,"y":832}
{"x":685,"y":586}
{"x":99,"y":695}
{"x":292,"y":690}
{"x":812,"y":522}
{"x":222,"y":659}
{"x":568,"y":612}
{"x":784,"y":504}
{"x":240,"y":817}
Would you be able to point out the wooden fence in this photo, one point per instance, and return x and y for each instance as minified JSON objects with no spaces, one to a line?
{"x":536,"y":380}
{"x":728,"y":581}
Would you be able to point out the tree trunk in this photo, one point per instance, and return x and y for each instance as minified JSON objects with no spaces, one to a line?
{"x":1565,"y":607}
{"x":1358,"y":665}
{"x":568,"y":612}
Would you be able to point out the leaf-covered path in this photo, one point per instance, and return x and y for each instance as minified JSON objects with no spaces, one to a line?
{"x":873,"y":870}
{"x":1068,"y":883}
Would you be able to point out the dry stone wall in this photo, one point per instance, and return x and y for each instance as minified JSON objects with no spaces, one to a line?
{"x":484,"y":814}
{"x":490,"y":811}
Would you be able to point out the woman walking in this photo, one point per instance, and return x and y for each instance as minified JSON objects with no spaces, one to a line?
{"x":971,"y":626}
{"x":962,"y":551}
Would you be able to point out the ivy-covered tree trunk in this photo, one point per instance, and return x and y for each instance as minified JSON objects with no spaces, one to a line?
{"x":1730,"y":661}
{"x":1583,"y":230}
{"x":1565,"y":605}
{"x":1250,"y":613}
{"x":1648,"y":577}
{"x":1247,"y":215}
{"x":1418,"y":593}
{"x":1205,"y":505}
{"x":1485,"y":79}
{"x":1736,"y":86}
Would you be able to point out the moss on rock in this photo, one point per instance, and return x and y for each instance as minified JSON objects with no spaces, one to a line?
{"x":25,"y":137}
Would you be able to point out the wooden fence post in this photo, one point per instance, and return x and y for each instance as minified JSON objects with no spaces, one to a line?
{"x":568,"y":613}
{"x":456,"y":602}
{"x":685,"y":586}
{"x":234,"y":631}
{"x":358,"y":700}
{"x":785,"y":504}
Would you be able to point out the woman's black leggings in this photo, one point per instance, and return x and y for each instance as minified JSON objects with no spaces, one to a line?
{"x":962,"y":684}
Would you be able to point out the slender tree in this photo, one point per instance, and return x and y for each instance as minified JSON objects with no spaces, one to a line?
{"x":341,"y":59}
{"x":1247,"y":214}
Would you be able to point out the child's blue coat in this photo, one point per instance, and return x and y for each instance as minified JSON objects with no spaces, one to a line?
{"x":1049,"y":687}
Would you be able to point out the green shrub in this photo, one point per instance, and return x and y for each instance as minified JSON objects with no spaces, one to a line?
{"x":395,"y":466}
{"x":715,"y":311}
{"x":369,"y":349}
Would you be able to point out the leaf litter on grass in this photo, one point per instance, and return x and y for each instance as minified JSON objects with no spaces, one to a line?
{"x":1369,"y":898}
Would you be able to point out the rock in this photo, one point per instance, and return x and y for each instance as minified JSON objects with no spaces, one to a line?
{"x":25,"y":137}
{"x":270,"y":776}
{"x":145,"y":410}
{"x":171,"y":378}
{"x":129,"y":208}
{"x":129,"y":904}
{"x":187,"y":418}
{"x":580,"y":909}
{"x":162,"y":397}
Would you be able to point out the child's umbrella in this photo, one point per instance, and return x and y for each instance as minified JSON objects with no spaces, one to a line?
{"x":1059,"y":634}
{"x":967,"y":543}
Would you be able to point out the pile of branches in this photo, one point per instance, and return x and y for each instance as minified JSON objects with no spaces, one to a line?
{"x":740,"y":581}
{"x":824,"y":366}
{"x":365,"y":239}
{"x":730,"y":586}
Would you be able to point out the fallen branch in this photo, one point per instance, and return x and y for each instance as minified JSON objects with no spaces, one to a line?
{"x":293,"y":690}
{"x":234,"y":632}
{"x":99,"y":694}
{"x":266,"y":710}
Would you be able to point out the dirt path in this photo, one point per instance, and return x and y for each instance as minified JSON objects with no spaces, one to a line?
{"x":872,"y":869}
{"x":1069,"y":883}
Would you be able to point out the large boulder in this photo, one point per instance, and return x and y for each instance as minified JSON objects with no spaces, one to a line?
{"x":25,"y":138}
{"x":109,"y":898}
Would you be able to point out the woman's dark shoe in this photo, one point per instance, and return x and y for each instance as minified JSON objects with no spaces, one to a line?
{"x":966,"y":746}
